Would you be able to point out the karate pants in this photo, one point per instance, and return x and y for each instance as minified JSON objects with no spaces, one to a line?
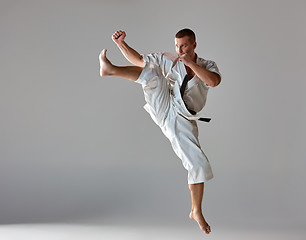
{"x":168,"y":111}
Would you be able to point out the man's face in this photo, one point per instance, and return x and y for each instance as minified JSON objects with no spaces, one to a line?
{"x":183,"y":45}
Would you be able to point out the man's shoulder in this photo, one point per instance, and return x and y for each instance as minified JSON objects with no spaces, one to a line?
{"x":209,"y":65}
{"x":161,"y":56}
{"x":204,"y":62}
{"x":169,"y":56}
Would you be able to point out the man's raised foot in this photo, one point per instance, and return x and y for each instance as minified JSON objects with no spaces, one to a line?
{"x":105,"y":65}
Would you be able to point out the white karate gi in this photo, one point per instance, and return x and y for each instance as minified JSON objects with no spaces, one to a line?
{"x":161,"y":79}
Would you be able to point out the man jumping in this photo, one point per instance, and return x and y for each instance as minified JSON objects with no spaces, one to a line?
{"x":175,"y":89}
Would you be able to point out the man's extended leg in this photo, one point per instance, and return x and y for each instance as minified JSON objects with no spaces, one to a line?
{"x":108,"y":69}
{"x":196,"y":192}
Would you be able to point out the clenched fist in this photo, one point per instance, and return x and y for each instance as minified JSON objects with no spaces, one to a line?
{"x":118,"y":37}
{"x":185,"y":58}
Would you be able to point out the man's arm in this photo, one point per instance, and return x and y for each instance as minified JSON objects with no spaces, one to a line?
{"x":129,"y":53}
{"x":210,"y":78}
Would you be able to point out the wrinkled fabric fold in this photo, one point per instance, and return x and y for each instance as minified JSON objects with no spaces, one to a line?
{"x":168,"y":111}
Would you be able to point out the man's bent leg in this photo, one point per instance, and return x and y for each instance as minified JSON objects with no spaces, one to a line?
{"x":196,"y":192}
{"x":108,"y":69}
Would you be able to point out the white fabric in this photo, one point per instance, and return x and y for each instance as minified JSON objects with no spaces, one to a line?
{"x":174,"y":70}
{"x":161,"y":79}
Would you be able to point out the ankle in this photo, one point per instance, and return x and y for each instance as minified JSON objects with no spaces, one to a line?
{"x":112,"y":70}
{"x":196,"y":210}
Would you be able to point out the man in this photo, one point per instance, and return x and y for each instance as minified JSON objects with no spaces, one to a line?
{"x":174,"y":110}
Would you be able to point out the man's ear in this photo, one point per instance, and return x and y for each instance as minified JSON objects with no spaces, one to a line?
{"x":194,"y":45}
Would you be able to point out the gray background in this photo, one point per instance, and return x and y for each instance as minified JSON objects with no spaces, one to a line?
{"x":78,"y":148}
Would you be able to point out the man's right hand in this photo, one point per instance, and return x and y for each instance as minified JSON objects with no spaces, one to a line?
{"x":118,"y":37}
{"x":129,"y":53}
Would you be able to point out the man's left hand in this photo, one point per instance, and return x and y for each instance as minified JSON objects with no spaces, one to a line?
{"x":185,"y":58}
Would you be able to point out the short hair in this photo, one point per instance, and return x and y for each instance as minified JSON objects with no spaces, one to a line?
{"x":186,"y":32}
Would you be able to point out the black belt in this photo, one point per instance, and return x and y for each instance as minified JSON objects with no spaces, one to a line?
{"x":182,"y":90}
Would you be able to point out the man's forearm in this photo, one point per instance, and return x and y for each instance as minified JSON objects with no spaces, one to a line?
{"x":208,"y":77}
{"x":130,"y":54}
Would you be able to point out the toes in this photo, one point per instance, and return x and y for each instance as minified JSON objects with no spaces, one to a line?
{"x":103,"y":53}
{"x":206,"y":230}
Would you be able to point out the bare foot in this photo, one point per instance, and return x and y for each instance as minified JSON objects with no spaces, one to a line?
{"x":105,"y":65}
{"x":198,"y":217}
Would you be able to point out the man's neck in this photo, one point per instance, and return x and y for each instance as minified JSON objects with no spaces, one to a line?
{"x":194,"y":57}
